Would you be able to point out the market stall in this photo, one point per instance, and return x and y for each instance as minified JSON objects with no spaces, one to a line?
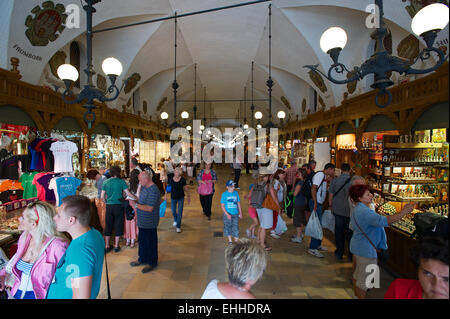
{"x":345,"y":145}
{"x":415,"y":168}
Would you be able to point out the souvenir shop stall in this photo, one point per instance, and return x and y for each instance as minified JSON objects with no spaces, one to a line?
{"x":36,"y":166}
{"x":322,"y":148}
{"x":346,"y":151}
{"x":414,"y":168}
{"x":106,"y":151}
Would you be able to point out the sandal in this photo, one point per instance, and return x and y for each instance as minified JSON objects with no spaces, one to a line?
{"x":268,"y":248}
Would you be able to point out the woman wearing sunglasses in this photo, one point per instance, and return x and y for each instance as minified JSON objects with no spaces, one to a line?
{"x":31,"y":270}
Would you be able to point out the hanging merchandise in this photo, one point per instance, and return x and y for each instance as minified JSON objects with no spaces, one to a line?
{"x":63,"y":151}
{"x":64,"y":186}
{"x":30,"y":190}
{"x":42,"y":182}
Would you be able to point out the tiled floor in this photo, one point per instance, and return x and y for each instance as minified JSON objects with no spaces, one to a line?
{"x":189,"y":260}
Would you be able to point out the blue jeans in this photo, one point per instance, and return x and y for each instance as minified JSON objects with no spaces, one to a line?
{"x":315,"y":243}
{"x":177,"y":216}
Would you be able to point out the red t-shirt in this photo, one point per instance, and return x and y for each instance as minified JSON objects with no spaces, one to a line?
{"x":404,"y":289}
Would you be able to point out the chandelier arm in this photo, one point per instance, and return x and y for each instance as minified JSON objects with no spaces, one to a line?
{"x":425,"y":55}
{"x":339,"y":68}
{"x":111,"y":90}
{"x":69,"y":93}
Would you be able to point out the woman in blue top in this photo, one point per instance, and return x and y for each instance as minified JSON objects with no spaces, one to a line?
{"x":368,"y":235}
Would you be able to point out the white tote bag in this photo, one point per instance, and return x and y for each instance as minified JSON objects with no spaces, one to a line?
{"x":281,"y":226}
{"x":328,"y":220}
{"x":313,"y":228}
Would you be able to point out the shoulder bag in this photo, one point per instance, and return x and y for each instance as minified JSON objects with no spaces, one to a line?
{"x":269,"y":203}
{"x":383,"y":255}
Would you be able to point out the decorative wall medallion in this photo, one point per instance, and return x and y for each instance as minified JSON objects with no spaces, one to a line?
{"x":415,"y":5}
{"x":409,"y":48}
{"x":101,"y":82}
{"x":304,"y":106}
{"x":144,"y":107}
{"x":318,"y":81}
{"x":161,"y":104}
{"x":351,"y":86}
{"x":47,"y":22}
{"x":132,"y":81}
{"x":286,"y":102}
{"x":56,"y":61}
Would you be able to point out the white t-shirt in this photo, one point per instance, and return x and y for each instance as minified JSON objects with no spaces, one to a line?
{"x":322,"y":191}
{"x":212,"y":291}
{"x":62,"y":151}
{"x":280,"y":192}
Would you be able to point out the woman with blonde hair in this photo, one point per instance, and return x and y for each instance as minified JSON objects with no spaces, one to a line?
{"x":30,"y":271}
{"x":178,"y":192}
{"x":245,"y":263}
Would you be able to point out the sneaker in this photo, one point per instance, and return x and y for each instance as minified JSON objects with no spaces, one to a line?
{"x":174,"y":224}
{"x":273,"y":235}
{"x":209,"y":217}
{"x":249,"y":234}
{"x":135,"y":263}
{"x":109,"y":249}
{"x":297,"y":240}
{"x":315,"y":252}
{"x":178,"y":230}
{"x":230,"y":243}
{"x":116,"y":249}
{"x":322,"y":248}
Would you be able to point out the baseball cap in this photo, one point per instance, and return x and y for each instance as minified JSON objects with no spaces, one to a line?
{"x":230,"y":183}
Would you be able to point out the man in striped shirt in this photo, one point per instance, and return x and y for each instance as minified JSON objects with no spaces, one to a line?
{"x":291,"y":176}
{"x":147,"y":209}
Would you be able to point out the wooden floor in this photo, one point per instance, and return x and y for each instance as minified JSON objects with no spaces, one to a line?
{"x":190,"y":260}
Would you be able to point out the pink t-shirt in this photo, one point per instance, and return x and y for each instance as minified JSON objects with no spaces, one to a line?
{"x":39,"y":187}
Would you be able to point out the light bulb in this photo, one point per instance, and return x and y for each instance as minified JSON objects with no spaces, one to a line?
{"x":202,"y":127}
{"x":164,"y":115}
{"x":258,"y":115}
{"x":245,"y":126}
{"x":281,"y":115}
{"x":67,"y":72}
{"x":431,"y":17}
{"x":258,"y":126}
{"x":334,"y":37}
{"x":112,"y":66}
{"x":188,"y":128}
{"x":185,"y":115}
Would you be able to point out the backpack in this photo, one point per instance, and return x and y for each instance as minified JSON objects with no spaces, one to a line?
{"x":307,"y":186}
{"x":430,"y":225}
{"x":258,"y":195}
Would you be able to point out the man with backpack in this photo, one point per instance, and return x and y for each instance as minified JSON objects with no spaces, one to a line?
{"x":318,"y":195}
{"x":339,"y":206}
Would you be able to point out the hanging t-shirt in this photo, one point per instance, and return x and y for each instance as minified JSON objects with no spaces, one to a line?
{"x":40,"y":189}
{"x":62,"y":151}
{"x":9,"y":165}
{"x":10,"y":196}
{"x":49,"y":158}
{"x":36,"y":157}
{"x":29,"y":190}
{"x":45,"y":182}
{"x":63,"y":187}
{"x":6,"y":185}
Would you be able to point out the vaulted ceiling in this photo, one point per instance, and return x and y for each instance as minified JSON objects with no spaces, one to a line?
{"x":222,"y":44}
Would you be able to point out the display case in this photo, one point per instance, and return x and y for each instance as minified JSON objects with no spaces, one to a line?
{"x":416,"y":172}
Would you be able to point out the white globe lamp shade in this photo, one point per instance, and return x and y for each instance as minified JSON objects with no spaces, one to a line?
{"x":188,"y":128}
{"x":67,"y":72}
{"x":112,"y":66}
{"x":202,"y":127}
{"x":200,"y":132}
{"x":185,"y":115}
{"x":258,"y":115}
{"x":334,"y":37}
{"x":258,"y":126}
{"x":431,"y":17}
{"x":164,"y":115}
{"x":281,"y":115}
{"x":245,"y":126}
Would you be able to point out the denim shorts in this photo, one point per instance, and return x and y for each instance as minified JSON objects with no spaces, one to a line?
{"x":231,"y":226}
